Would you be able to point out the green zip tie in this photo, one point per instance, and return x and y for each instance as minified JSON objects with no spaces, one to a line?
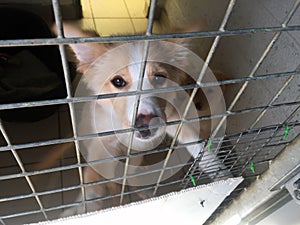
{"x":286,"y":131}
{"x":193,"y":180}
{"x":252,"y":167}
{"x":209,"y":144}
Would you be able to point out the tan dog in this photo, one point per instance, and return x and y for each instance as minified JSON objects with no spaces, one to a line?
{"x":117,"y":68}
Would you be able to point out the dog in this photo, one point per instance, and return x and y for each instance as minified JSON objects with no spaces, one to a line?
{"x":134,"y":67}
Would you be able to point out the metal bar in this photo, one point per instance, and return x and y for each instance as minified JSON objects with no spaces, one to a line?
{"x":242,"y":136}
{"x":242,"y":139}
{"x":60,"y":34}
{"x":87,"y":184}
{"x":257,"y":65}
{"x":264,"y":144}
{"x":136,"y":104}
{"x":75,"y":187}
{"x":233,"y":147}
{"x":199,"y":80}
{"x":286,"y":83}
{"x":289,"y":118}
{"x":246,"y":150}
{"x":139,"y":88}
{"x":90,"y":136}
{"x":258,"y":193}
{"x":191,"y":171}
{"x":20,"y":214}
{"x":22,"y":168}
{"x":261,"y":59}
{"x":203,"y":34}
{"x":80,"y":203}
{"x":158,"y":150}
{"x":257,"y":150}
{"x":142,"y":92}
{"x":218,"y":147}
{"x":151,"y":18}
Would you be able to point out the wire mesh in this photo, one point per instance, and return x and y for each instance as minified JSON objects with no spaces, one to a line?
{"x":244,"y":153}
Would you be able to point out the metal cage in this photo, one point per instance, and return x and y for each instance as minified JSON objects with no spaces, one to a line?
{"x":246,"y":152}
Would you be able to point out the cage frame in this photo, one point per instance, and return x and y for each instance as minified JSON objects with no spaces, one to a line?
{"x":70,"y":100}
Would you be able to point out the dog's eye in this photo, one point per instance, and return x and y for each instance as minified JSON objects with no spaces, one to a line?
{"x":118,"y":82}
{"x":159,"y":79}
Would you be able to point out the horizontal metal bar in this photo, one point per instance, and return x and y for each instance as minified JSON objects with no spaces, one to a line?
{"x":255,"y":78}
{"x":63,"y":189}
{"x":76,"y":187}
{"x":9,"y":216}
{"x":262,"y":129}
{"x":21,"y":167}
{"x":258,"y":193}
{"x":142,"y":92}
{"x":75,"y":204}
{"x":66,"y":41}
{"x":90,"y":163}
{"x":157,"y":150}
{"x":96,"y":135}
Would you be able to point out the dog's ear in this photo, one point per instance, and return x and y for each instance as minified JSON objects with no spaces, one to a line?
{"x":86,"y":53}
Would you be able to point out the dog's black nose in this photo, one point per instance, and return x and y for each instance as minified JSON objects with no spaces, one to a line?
{"x":143,"y":121}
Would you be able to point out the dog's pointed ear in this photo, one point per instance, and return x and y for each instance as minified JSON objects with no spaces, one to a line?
{"x":86,"y":53}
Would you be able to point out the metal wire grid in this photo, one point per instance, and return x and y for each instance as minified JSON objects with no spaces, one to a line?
{"x":264,"y":156}
{"x":274,"y":139}
{"x":259,"y":146}
{"x":260,"y":149}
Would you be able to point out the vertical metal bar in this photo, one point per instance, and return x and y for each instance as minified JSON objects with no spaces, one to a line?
{"x":191,"y":171}
{"x":22,"y":168}
{"x":151,"y":18}
{"x":60,"y":34}
{"x":136,"y":104}
{"x":259,"y":62}
{"x":274,"y":133}
{"x":286,"y":121}
{"x":257,"y":65}
{"x":139,"y":88}
{"x":246,"y":150}
{"x":287,"y":82}
{"x":200,"y":77}
{"x":232,"y":149}
{"x":257,"y":150}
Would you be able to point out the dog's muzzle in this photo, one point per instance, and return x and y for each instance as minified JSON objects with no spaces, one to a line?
{"x":147,"y":125}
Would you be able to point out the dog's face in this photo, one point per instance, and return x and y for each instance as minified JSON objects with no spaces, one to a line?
{"x":150,"y":107}
{"x":118,"y":68}
{"x":122,"y":70}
